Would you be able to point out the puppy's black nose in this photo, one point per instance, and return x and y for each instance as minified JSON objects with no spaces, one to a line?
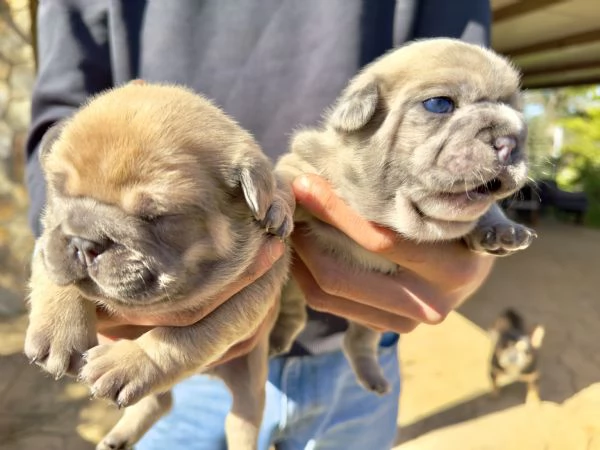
{"x":505,"y":145}
{"x":87,"y":251}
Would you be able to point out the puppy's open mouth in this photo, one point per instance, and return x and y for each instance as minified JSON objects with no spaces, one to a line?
{"x":463,"y":205}
{"x":491,"y":187}
{"x":481,"y":191}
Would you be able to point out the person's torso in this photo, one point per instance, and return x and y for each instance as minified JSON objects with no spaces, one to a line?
{"x":273,"y":65}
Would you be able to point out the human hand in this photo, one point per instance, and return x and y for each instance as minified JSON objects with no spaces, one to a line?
{"x":437,"y":277}
{"x":130,"y":326}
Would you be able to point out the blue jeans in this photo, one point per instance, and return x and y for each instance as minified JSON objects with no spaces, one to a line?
{"x":313,"y":402}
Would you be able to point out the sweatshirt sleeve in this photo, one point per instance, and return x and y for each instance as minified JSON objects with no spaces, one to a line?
{"x":73,"y":64}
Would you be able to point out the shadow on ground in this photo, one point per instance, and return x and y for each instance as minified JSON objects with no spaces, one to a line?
{"x":484,"y":404}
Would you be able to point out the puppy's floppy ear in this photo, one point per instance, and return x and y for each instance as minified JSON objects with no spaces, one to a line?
{"x":50,"y":137}
{"x":137,"y":81}
{"x":356,"y":106}
{"x":252,"y":172}
{"x":537,"y":336}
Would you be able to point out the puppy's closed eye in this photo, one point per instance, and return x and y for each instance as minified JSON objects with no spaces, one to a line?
{"x":150,"y":218}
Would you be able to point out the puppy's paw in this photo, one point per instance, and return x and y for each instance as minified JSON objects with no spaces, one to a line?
{"x":289,"y":324}
{"x":374,"y":382}
{"x":500,"y":239}
{"x":120,"y":372}
{"x":280,"y":344}
{"x":370,"y":375}
{"x":279,"y":219}
{"x":58,"y":345}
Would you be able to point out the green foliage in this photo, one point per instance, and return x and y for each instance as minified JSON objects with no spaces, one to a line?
{"x":577,"y":168}
{"x":581,"y":159}
{"x":539,"y":143}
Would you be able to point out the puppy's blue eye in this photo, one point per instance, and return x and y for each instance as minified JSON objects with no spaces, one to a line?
{"x":439,"y":105}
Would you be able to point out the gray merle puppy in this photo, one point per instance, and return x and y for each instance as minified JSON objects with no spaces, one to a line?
{"x":424,"y":141}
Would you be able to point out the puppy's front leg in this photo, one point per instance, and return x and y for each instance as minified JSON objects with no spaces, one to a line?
{"x":533,"y":392}
{"x":61,"y":324}
{"x":126,"y":371}
{"x":496,"y":234}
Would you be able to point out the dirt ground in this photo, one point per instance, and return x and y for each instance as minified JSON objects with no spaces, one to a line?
{"x":556,"y":283}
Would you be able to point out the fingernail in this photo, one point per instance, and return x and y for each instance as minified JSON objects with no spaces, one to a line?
{"x":275,"y":250}
{"x":434,"y":317}
{"x":302,"y":183}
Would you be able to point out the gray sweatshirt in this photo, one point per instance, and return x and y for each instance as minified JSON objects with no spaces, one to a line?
{"x":273,"y":65}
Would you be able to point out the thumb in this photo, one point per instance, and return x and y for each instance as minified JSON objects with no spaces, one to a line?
{"x":317,"y":196}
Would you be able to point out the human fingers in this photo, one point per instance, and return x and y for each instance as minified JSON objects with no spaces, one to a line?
{"x":370,"y":316}
{"x":446,"y":263}
{"x":402,"y":294}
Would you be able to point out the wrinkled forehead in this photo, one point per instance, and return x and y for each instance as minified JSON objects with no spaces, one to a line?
{"x":462,"y":72}
{"x":138,"y":172}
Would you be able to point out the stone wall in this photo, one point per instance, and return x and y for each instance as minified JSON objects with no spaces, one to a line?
{"x":17,"y":74}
